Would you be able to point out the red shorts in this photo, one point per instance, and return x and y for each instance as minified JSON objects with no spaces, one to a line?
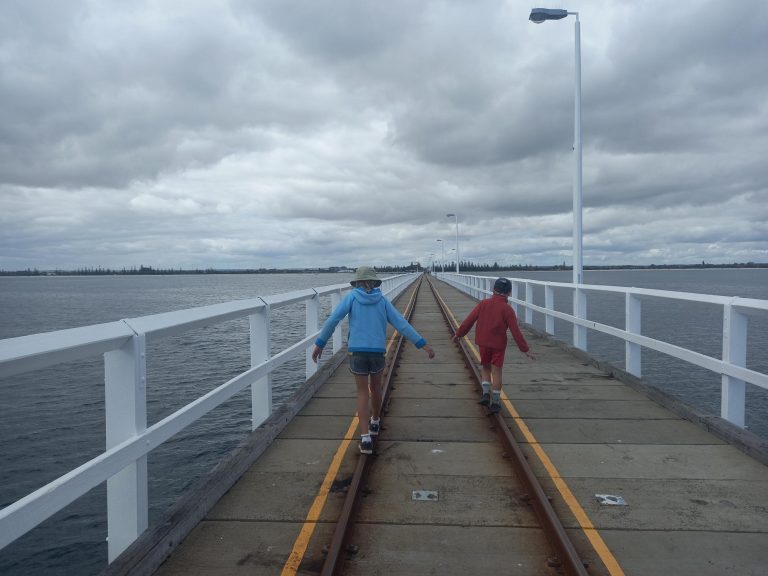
{"x":493,"y":356}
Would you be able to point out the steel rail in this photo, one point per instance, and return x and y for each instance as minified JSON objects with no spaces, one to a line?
{"x":339,"y":542}
{"x":568,"y":557}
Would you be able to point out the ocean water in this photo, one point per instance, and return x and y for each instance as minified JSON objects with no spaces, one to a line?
{"x":52,"y":420}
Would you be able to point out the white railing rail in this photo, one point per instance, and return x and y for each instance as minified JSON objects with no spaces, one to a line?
{"x":123,"y":465}
{"x":731,"y":367}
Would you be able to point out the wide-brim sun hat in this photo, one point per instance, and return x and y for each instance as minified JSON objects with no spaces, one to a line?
{"x":365,"y":273}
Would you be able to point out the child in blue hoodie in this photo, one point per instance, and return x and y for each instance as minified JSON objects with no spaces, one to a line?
{"x":369,"y":311}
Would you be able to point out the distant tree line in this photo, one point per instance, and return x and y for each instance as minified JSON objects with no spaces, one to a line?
{"x":466,"y":266}
{"x":496,"y":267}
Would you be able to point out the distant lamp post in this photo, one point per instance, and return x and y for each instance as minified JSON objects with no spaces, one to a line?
{"x":538,"y":16}
{"x":442,"y":265}
{"x":457,"y":238}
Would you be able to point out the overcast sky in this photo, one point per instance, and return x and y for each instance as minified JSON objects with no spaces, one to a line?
{"x":286,"y":133}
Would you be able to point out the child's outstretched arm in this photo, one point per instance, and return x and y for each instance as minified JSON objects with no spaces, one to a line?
{"x":511,"y":319}
{"x":466,"y":326}
{"x":333,"y":320}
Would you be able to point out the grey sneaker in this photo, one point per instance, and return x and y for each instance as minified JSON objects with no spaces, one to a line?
{"x":374,"y":427}
{"x":495,"y":408}
{"x":485,"y":399}
{"x":366,"y":446}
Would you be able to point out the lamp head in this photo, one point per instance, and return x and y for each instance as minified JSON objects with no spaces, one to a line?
{"x":539,"y":15}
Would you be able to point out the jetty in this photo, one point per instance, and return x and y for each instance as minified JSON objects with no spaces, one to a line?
{"x":587,"y":470}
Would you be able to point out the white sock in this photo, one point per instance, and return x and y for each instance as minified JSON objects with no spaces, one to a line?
{"x":375,"y":420}
{"x":486,"y":387}
{"x":365,"y":437}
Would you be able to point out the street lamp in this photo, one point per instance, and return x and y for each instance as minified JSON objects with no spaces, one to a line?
{"x":538,"y":16}
{"x":457,"y":238}
{"x":442,"y":266}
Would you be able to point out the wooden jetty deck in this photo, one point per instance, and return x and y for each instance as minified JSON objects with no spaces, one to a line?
{"x":695,"y":505}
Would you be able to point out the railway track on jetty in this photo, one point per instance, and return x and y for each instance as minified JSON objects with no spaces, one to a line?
{"x":513,"y":506}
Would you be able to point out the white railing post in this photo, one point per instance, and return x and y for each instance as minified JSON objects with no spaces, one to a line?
{"x":313,"y":314}
{"x":579,"y":311}
{"x":734,"y":352}
{"x":516,"y":296}
{"x":549,"y":304}
{"x":261,"y":343}
{"x":125,"y":401}
{"x":528,"y":300}
{"x":338,"y":334}
{"x":633,"y":324}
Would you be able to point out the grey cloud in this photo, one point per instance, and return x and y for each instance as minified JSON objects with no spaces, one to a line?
{"x":289,"y":133}
{"x":82,"y":107}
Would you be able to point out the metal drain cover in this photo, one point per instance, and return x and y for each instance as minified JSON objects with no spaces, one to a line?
{"x":424,"y":495}
{"x":610,"y":500}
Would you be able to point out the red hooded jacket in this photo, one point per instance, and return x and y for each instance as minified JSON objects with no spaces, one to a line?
{"x":493,"y":316}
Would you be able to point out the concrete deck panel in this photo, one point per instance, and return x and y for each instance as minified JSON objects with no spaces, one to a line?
{"x":616,"y":431}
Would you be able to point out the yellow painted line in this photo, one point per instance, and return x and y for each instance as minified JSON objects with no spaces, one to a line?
{"x":581,"y":516}
{"x":302,"y":540}
{"x":310,"y":522}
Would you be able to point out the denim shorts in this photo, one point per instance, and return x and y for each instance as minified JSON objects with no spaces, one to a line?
{"x":366,"y":362}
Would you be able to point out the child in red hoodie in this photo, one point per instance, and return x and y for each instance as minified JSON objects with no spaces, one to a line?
{"x":493,"y":316}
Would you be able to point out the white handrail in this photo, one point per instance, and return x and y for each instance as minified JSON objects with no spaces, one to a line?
{"x":129,"y":440}
{"x":732,"y":366}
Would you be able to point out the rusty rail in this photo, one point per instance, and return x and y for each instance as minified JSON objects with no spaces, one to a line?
{"x":339,"y":542}
{"x":568,"y":558}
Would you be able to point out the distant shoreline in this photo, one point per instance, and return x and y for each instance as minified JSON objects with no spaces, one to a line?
{"x":468,"y":267}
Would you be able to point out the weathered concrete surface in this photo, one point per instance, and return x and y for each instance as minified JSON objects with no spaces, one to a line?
{"x":446,"y":550}
{"x":695,"y":504}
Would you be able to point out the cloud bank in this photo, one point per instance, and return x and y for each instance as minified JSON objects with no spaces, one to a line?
{"x":294,"y":134}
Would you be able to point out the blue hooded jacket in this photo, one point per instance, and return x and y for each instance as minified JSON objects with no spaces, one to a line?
{"x":368,"y":317}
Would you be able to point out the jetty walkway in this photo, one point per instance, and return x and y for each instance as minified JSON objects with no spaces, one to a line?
{"x":639,"y":489}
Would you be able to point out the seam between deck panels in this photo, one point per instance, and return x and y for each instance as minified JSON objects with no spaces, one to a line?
{"x":592,"y":534}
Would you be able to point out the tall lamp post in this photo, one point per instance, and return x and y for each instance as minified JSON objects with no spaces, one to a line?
{"x":538,"y":16}
{"x":442,"y":265}
{"x":457,"y":238}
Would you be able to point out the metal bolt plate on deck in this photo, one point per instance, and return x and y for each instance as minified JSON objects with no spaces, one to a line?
{"x":610,"y":500}
{"x":424,"y":495}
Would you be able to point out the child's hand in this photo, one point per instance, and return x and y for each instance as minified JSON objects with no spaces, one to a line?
{"x":531,"y":355}
{"x":316,"y":353}
{"x":430,"y":352}
{"x":455,"y":338}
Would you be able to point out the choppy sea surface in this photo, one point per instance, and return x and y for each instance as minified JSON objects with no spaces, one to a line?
{"x":52,"y":420}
